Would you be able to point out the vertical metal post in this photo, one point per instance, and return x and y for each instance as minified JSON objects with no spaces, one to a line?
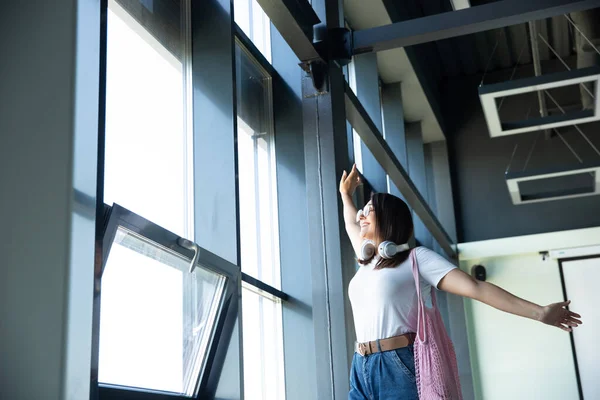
{"x":296,"y":277}
{"x":430,"y":192}
{"x":331,"y":256}
{"x":367,"y":91}
{"x":393,"y":119}
{"x":416,"y":170}
{"x":215,"y":169}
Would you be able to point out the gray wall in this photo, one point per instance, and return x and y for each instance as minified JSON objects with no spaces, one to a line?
{"x":48,"y":129}
{"x":484,"y":209}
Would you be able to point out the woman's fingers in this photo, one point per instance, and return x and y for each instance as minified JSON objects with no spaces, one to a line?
{"x":354,"y":175}
{"x":343,"y":181}
{"x":353,"y":172}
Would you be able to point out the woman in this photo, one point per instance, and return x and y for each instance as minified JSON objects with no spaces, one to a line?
{"x":384,"y":300}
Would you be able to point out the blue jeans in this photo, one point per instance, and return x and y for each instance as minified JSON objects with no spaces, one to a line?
{"x":388,"y":375}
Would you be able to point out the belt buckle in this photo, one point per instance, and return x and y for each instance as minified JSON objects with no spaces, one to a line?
{"x":362,"y":349}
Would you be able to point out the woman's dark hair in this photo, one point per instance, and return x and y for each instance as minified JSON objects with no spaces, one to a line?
{"x":394,"y":223}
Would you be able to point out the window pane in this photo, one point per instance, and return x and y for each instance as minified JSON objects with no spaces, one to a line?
{"x":256,"y":160}
{"x":259,"y":240}
{"x":263,"y":347}
{"x":156,"y":318}
{"x":251,"y":18}
{"x":147,"y":167}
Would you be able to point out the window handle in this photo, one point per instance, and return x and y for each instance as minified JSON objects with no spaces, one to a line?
{"x":188,"y":244}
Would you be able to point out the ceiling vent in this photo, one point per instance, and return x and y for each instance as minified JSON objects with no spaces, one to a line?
{"x":557,"y":184}
{"x":490,"y":94}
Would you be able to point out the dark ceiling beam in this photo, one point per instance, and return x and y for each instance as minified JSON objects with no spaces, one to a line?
{"x":498,"y":14}
{"x":294,"y":27}
{"x":373,"y":139}
{"x":294,"y":19}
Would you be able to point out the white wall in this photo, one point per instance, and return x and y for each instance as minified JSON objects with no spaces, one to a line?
{"x":512,"y":357}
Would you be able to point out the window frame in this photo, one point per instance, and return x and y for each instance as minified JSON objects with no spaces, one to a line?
{"x":247,"y":45}
{"x":116,"y":216}
{"x":230,"y":313}
{"x":252,"y":284}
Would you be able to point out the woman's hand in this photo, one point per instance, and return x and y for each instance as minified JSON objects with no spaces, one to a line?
{"x":557,"y":315}
{"x":460,"y":283}
{"x":350,"y":182}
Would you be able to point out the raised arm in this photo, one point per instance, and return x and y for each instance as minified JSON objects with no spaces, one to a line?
{"x":459,"y":283}
{"x":348,"y":185}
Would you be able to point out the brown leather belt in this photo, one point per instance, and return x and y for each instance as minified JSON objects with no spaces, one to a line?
{"x":393,"y":343}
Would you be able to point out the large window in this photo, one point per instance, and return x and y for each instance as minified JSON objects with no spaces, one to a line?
{"x":262,"y":325}
{"x":148,"y":164}
{"x":251,"y":18}
{"x":156,"y":317}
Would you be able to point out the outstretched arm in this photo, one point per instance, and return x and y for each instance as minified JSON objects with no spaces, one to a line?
{"x":348,"y":185}
{"x":459,"y":283}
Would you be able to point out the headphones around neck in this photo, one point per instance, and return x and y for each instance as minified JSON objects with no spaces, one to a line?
{"x":386,"y":249}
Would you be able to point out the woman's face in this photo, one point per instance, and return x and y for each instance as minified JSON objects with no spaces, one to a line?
{"x":367,"y":223}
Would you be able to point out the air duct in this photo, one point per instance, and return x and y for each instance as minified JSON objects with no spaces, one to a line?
{"x":588,"y":24}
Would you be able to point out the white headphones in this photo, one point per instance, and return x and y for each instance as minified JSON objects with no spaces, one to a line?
{"x":386,"y":249}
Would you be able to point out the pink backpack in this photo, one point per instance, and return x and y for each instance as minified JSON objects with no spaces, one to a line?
{"x":435,"y":359}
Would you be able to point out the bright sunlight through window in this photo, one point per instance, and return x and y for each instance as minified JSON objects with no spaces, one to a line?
{"x":251,"y":18}
{"x":146,"y":169}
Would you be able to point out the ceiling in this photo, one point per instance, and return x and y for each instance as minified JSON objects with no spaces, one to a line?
{"x":474,"y":54}
{"x":394,"y":66}
{"x":503,"y":48}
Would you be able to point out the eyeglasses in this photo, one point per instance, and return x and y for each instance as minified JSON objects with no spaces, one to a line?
{"x":364,"y":212}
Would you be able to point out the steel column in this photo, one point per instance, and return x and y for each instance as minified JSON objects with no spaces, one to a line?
{"x":367,"y":90}
{"x":393,"y":119}
{"x":417,"y":172}
{"x":331,"y":256}
{"x":215,"y":169}
{"x":442,"y":183}
{"x":294,"y":239}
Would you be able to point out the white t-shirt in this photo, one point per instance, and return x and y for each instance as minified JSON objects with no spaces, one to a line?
{"x":384,"y":301}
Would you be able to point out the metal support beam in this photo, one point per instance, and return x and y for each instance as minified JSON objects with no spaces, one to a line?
{"x":370,"y":135}
{"x":462,"y":22}
{"x":367,"y":90}
{"x":331,"y":256}
{"x":393,"y":120}
{"x":215,"y":203}
{"x":294,"y":19}
{"x":294,"y":239}
{"x":416,"y":171}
